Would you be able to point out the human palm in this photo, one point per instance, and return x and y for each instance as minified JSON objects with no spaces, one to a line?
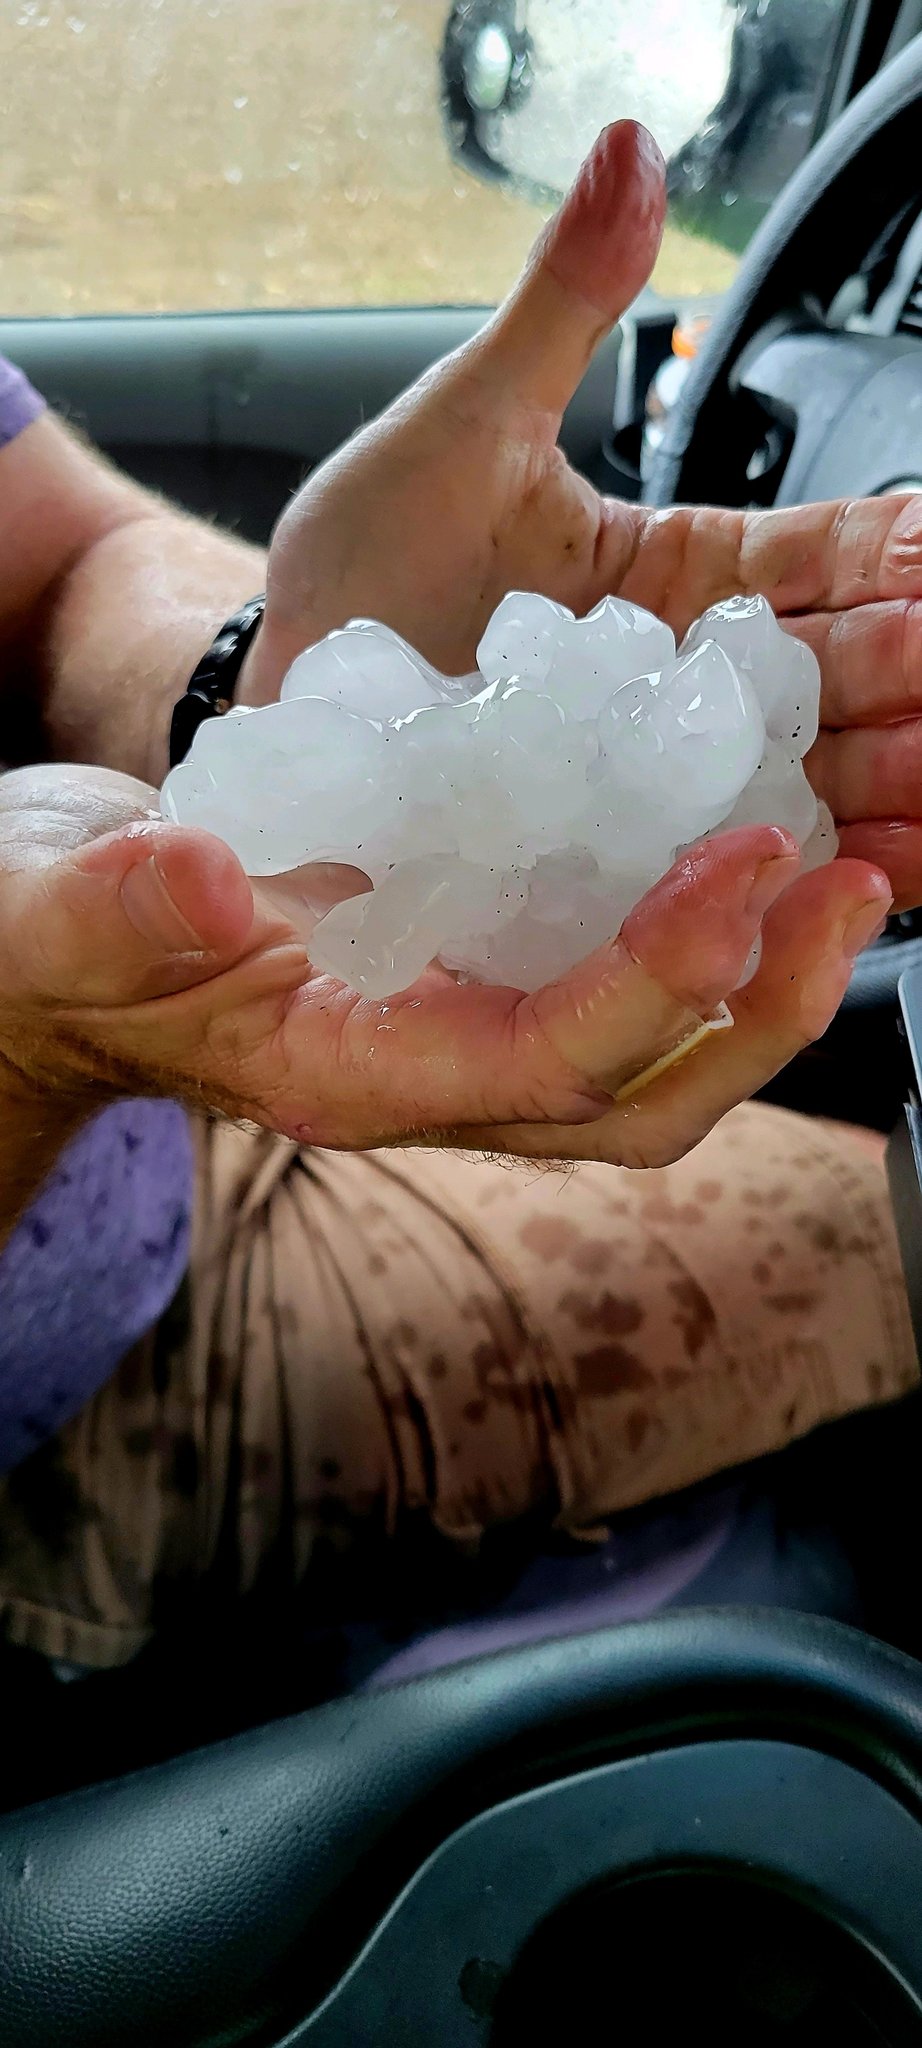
{"x":460,"y":493}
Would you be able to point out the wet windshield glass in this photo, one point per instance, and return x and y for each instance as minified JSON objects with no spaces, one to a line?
{"x":196,"y":154}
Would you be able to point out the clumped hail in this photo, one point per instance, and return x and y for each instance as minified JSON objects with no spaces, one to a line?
{"x":507,"y":821}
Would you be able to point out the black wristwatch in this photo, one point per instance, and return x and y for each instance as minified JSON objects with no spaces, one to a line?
{"x":210,"y":691}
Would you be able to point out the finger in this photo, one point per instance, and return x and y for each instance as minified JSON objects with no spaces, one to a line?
{"x":811,"y":938}
{"x":871,"y":661}
{"x":586,"y":269}
{"x":679,"y":955}
{"x":870,"y":772}
{"x":806,"y":559}
{"x":492,"y":1056}
{"x":895,"y":846}
{"x":135,"y":913}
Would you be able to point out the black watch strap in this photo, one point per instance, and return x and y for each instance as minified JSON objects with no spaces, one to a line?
{"x":210,"y":691}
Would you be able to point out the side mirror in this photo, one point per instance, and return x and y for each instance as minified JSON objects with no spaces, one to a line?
{"x":731,"y":89}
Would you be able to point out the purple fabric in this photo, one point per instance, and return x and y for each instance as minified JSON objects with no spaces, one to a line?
{"x":19,"y":404}
{"x":92,"y":1264}
{"x":649,"y":1561}
{"x":101,"y":1252}
{"x":731,"y":1543}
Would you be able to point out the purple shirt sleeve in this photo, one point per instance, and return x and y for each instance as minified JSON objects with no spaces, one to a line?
{"x":94,"y":1261}
{"x":102,"y":1250}
{"x":19,"y":404}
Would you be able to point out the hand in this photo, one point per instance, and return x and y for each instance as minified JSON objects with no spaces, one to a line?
{"x":460,"y":493}
{"x":134,"y":959}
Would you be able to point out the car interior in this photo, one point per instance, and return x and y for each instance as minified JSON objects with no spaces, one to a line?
{"x":705,"y":1821}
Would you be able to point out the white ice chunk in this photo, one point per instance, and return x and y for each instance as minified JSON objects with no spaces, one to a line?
{"x":368,"y":669}
{"x":382,"y":941}
{"x":712,"y":727}
{"x":753,"y":963}
{"x":536,"y":756}
{"x":522,"y":638}
{"x":508,"y":821}
{"x":302,"y":789}
{"x":540,"y":645}
{"x":189,"y":789}
{"x":778,"y":793}
{"x":822,"y":843}
{"x":784,"y":672}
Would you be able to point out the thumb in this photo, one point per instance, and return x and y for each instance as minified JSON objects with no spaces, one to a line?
{"x":585,"y":270}
{"x":142,"y":912}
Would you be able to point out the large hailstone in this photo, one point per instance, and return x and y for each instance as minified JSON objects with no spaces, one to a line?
{"x":507,"y":821}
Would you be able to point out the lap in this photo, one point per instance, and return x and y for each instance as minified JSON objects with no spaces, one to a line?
{"x":368,"y":1340}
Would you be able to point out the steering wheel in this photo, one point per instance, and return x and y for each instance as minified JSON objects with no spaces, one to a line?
{"x":777,"y":352}
{"x":785,"y":406}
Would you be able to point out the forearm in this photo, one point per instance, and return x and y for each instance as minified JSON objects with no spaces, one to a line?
{"x":125,"y":632}
{"x":109,"y":600}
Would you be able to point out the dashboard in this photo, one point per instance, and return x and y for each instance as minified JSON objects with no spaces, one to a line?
{"x":843,"y":412}
{"x":842,"y":394}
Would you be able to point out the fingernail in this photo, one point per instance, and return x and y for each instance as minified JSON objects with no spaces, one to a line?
{"x":771,"y":881}
{"x":862,"y":928}
{"x":149,"y":907}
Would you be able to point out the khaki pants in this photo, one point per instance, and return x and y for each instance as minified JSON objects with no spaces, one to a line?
{"x":395,"y":1341}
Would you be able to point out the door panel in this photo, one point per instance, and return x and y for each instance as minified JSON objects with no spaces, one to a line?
{"x":227,"y":412}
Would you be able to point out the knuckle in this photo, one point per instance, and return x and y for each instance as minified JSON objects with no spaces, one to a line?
{"x":544,"y":1084}
{"x":901,"y":552}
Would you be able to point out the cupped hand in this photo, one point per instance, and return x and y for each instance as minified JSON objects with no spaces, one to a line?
{"x":135,"y":958}
{"x":460,"y":493}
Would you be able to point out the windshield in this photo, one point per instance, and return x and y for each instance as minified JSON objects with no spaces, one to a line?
{"x":171,"y":155}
